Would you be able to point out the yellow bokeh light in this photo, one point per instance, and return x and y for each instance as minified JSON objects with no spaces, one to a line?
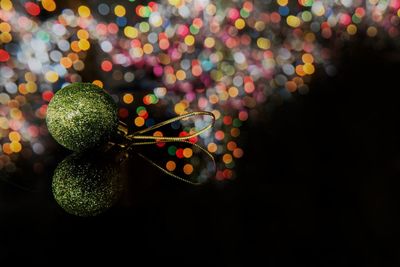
{"x":209,"y":42}
{"x":84,"y":11}
{"x":51,"y":76}
{"x":128,"y":98}
{"x":14,"y":136}
{"x":119,"y":10}
{"x":6,"y":5}
{"x":181,"y":75}
{"x":49,"y":5}
{"x":148,"y":49}
{"x":5,"y":37}
{"x":308,"y":68}
{"x":139,"y":121}
{"x":189,"y":40}
{"x":240,"y":24}
{"x":31,"y":87}
{"x":263,"y":43}
{"x":98,"y":83}
{"x":180,"y":108}
{"x":176,"y":3}
{"x":307,"y":58}
{"x":213,"y":99}
{"x":83,"y":34}
{"x":293,"y":21}
{"x":130,"y":32}
{"x":233,"y":91}
{"x":5,"y":27}
{"x":259,"y":25}
{"x":16,"y":113}
{"x":30,"y":77}
{"x":15,"y":147}
{"x":282,"y":2}
{"x":216,"y":114}
{"x":351,"y":29}
{"x":84,"y":44}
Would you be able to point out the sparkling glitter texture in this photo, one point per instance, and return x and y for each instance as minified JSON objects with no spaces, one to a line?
{"x":82,"y":116}
{"x":85,"y":185}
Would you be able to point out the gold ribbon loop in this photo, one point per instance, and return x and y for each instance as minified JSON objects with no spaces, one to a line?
{"x":179,"y":139}
{"x":138,"y":134}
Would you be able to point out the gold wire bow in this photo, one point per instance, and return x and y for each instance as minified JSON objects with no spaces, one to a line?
{"x":133,"y":138}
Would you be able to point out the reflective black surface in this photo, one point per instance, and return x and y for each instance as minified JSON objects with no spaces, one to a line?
{"x":317,"y":187}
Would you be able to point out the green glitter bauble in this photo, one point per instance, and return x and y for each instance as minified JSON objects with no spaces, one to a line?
{"x":85,"y":185}
{"x":81,"y":116}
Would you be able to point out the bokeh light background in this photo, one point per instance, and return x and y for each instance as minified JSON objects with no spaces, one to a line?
{"x":165,"y":58}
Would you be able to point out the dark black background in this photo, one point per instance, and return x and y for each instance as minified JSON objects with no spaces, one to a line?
{"x":317,"y":187}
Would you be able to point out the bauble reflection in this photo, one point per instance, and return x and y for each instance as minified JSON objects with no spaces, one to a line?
{"x":85,"y":184}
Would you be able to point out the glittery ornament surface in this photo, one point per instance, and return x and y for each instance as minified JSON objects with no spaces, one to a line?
{"x":82,"y":116}
{"x":85,"y":185}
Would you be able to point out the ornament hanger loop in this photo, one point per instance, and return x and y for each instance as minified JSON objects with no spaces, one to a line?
{"x":138,"y":134}
{"x":179,"y":139}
